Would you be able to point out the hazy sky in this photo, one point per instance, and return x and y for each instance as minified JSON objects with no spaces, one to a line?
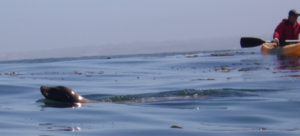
{"x":28,"y":25}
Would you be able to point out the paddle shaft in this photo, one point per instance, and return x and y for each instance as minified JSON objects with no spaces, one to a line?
{"x":289,"y":41}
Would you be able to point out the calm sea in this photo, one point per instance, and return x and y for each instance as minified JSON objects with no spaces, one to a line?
{"x":213,"y":93}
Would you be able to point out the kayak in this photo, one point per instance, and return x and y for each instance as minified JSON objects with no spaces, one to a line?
{"x":288,"y":50}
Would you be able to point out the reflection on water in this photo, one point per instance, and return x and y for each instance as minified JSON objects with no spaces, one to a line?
{"x":52,"y":127}
{"x":54,"y":104}
{"x":288,"y":62}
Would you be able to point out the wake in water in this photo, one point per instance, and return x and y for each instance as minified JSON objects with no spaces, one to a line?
{"x":177,"y":95}
{"x":61,"y":96}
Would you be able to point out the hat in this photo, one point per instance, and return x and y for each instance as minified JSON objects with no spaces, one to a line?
{"x":293,"y":12}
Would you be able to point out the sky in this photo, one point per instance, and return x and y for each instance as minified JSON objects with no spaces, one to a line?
{"x":61,"y":28}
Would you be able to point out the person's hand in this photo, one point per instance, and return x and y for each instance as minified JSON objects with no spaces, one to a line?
{"x":276,"y":40}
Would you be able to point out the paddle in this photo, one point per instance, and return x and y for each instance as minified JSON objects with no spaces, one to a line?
{"x":248,"y":42}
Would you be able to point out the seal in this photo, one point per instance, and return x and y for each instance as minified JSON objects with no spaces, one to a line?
{"x":63,"y":94}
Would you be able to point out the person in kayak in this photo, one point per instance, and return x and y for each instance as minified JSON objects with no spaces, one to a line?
{"x":288,"y":29}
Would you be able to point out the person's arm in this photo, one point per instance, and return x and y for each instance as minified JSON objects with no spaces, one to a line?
{"x":278,"y":32}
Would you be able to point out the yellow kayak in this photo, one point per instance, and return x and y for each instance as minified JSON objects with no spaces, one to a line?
{"x":288,"y":50}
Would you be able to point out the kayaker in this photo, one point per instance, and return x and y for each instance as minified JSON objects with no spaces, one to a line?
{"x":288,"y":29}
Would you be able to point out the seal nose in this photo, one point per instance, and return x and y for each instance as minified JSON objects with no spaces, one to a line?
{"x":44,"y":90}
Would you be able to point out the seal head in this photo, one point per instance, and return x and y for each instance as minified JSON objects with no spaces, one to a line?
{"x":62,"y":94}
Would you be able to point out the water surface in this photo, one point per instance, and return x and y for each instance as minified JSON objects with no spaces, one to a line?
{"x":233,"y":92}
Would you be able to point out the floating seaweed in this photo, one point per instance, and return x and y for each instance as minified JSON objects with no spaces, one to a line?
{"x":225,"y":54}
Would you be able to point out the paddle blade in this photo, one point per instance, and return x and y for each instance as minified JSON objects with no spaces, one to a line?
{"x":247,"y":42}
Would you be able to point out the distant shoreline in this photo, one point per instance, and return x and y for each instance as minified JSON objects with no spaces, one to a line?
{"x":123,"y":49}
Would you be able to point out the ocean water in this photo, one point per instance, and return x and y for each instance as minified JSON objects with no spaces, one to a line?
{"x":212,"y":93}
